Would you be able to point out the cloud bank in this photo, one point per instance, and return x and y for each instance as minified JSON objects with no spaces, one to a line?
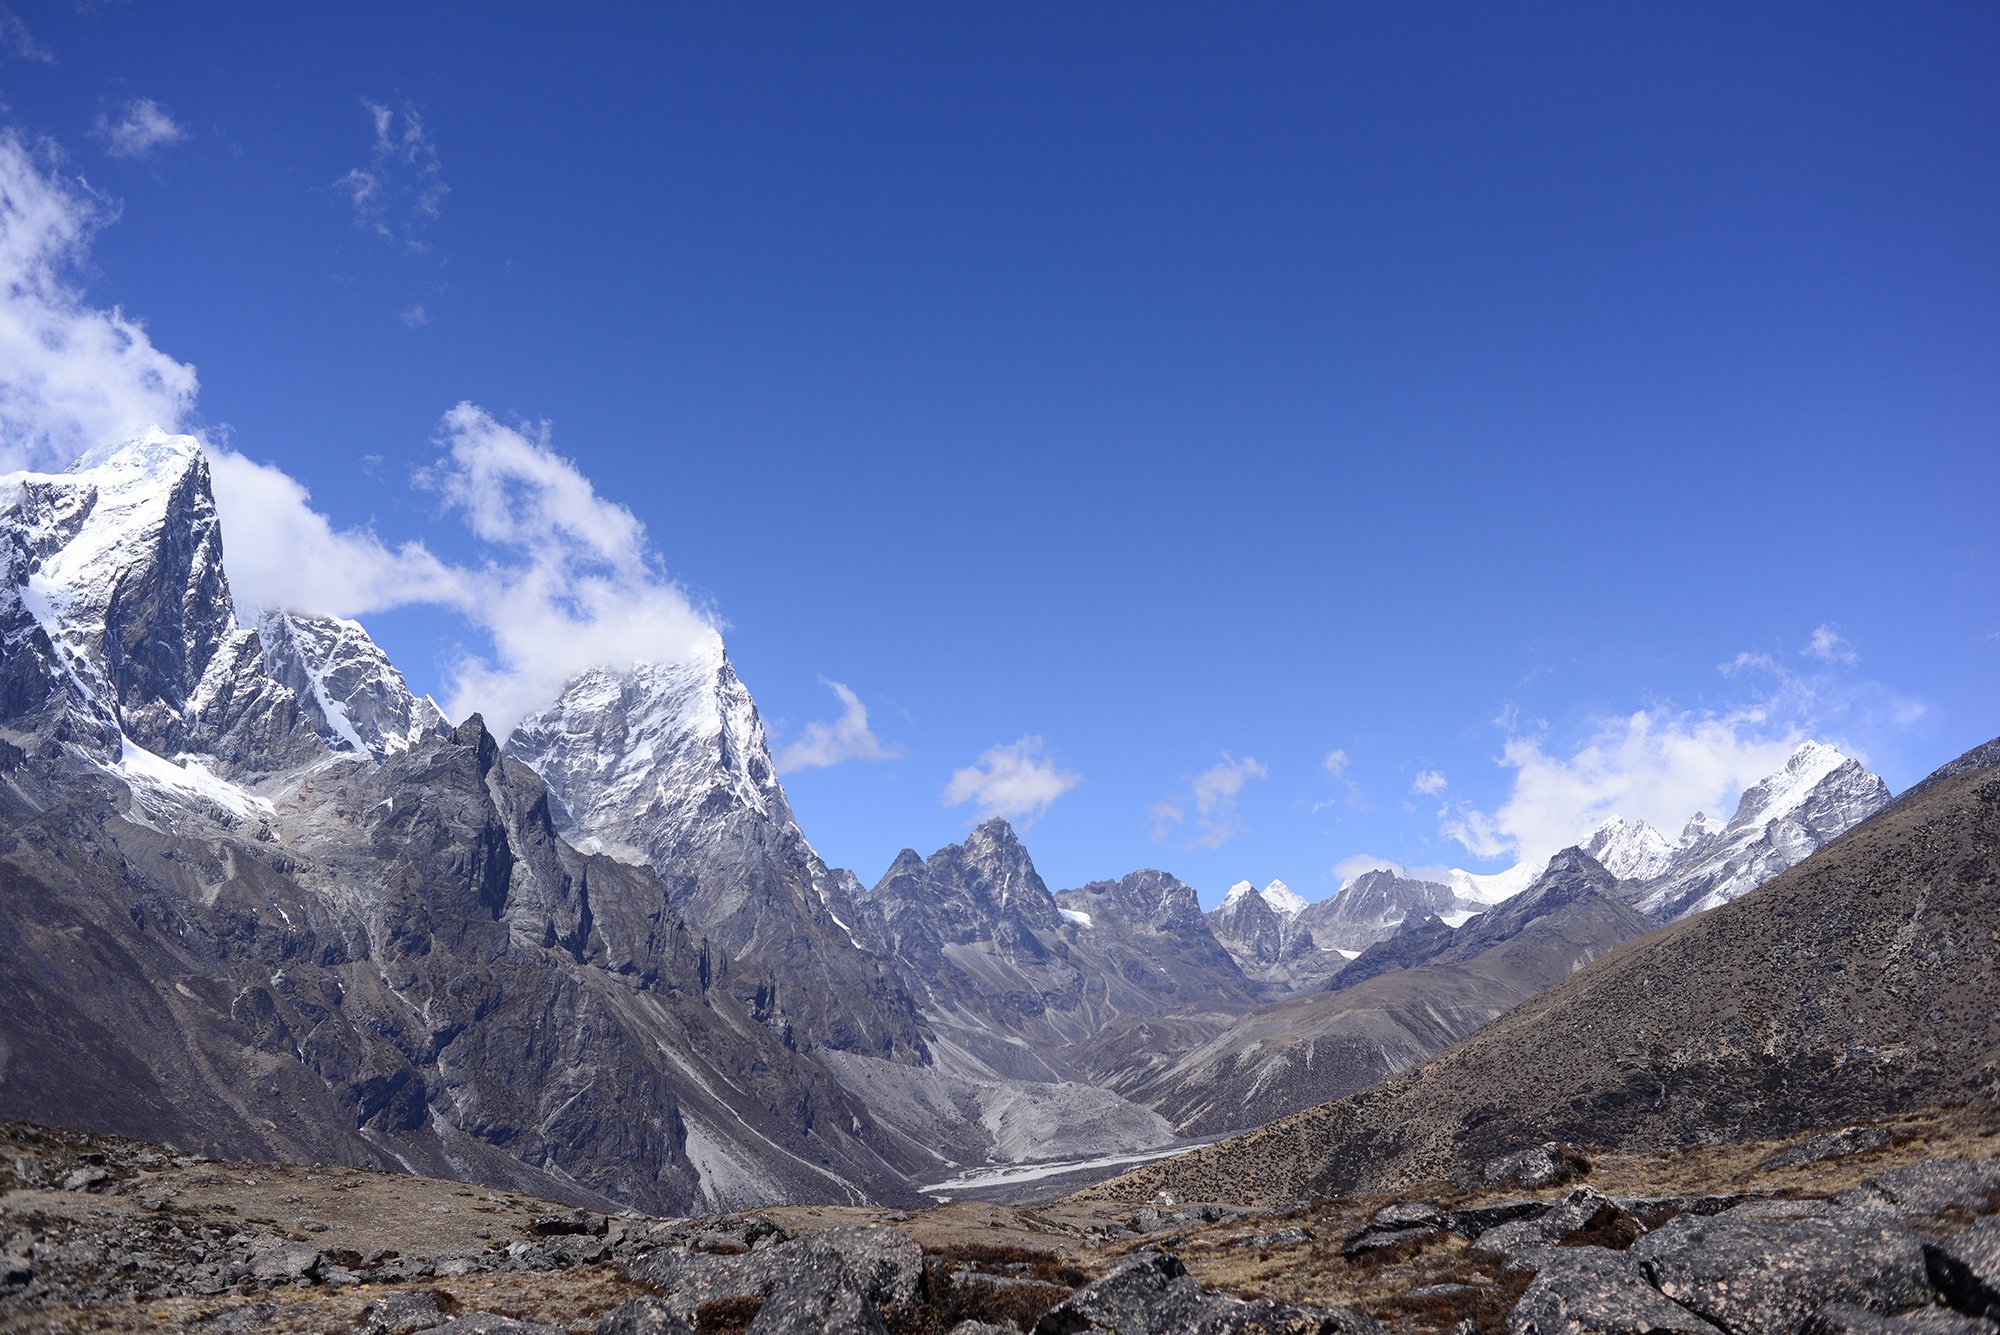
{"x":72,"y":376}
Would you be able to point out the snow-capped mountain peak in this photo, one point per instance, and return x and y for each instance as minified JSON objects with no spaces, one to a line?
{"x":1281,"y":898}
{"x":1782,"y":793}
{"x":645,"y":758}
{"x":1631,"y":850}
{"x":1286,"y":902}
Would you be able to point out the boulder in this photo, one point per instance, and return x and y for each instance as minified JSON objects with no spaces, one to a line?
{"x":1756,"y":1274}
{"x":1474,"y":1220}
{"x":1847,"y":1319}
{"x":492,"y":1323}
{"x":1591,"y":1291}
{"x":1549,"y":1165}
{"x":820,"y":1300}
{"x":646,"y":1316}
{"x":1929,"y":1188}
{"x":1835,"y":1145}
{"x":403,"y":1312}
{"x":1581,"y":1210}
{"x":1966,"y":1269}
{"x":1152,"y":1291}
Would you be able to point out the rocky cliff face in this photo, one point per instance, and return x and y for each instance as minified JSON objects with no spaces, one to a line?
{"x":667,"y":765}
{"x":262,"y":902}
{"x":117,"y":613}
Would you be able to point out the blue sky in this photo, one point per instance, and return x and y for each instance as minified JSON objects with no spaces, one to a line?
{"x":1329,"y":430}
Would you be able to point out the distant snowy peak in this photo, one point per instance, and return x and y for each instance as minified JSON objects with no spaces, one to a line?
{"x":1281,"y":898}
{"x":1631,"y":850}
{"x":1811,"y":771}
{"x":1819,"y":795}
{"x":362,"y":703}
{"x":1492,"y":887}
{"x":651,"y":759}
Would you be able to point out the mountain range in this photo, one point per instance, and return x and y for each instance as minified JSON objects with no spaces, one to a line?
{"x":261,"y":899}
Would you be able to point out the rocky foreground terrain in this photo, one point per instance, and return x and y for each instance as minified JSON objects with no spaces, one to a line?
{"x":1891,"y":1226}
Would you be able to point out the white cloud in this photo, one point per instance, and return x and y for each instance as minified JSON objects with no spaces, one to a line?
{"x":401,"y":191}
{"x":846,"y":738}
{"x":1829,"y":646}
{"x":1213,"y":795}
{"x":1429,"y":782}
{"x":1657,"y":765}
{"x":1336,"y":762}
{"x":414,"y":317}
{"x":566,"y":579}
{"x":1018,"y":782}
{"x":72,"y":375}
{"x":282,"y":553}
{"x":1748,"y":662}
{"x":572,"y":581}
{"x":140,"y":126}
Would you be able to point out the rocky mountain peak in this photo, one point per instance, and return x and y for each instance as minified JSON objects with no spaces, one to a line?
{"x":116,"y":595}
{"x":358,"y":699}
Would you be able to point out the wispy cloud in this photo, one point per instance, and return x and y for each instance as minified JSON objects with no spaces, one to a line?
{"x":1429,"y":782}
{"x":1018,"y":781}
{"x":846,"y":738}
{"x":401,"y":190}
{"x":138,"y":128}
{"x":414,"y":317}
{"x":1336,"y":763}
{"x":1211,"y":799}
{"x":1829,"y":646}
{"x":17,"y":42}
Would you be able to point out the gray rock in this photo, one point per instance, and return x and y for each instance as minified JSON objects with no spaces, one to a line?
{"x":981,"y":1328}
{"x":1836,"y":1145}
{"x":647,"y":1316}
{"x":1580,"y":1210}
{"x":277,"y":1260}
{"x":1294,"y":1236}
{"x":85,"y":1179}
{"x":1406,"y":1214}
{"x":1477,"y":1219}
{"x":1750,"y":1274}
{"x":1847,"y":1319}
{"x":1966,"y":1268}
{"x":822,"y":1300}
{"x":1930,"y":1188}
{"x":1548,"y":1165}
{"x":1152,"y":1291}
{"x":492,"y":1323}
{"x":401,"y":1313}
{"x":1591,"y":1291}
{"x":1368,"y":1244}
{"x":883,"y":1265}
